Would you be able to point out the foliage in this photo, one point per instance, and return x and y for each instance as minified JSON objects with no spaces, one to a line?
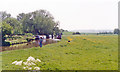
{"x":5,"y":30}
{"x":29,"y":34}
{"x":4,"y":15}
{"x":104,"y":33}
{"x":29,"y":39}
{"x":16,"y":41}
{"x":76,"y":33}
{"x":17,"y":26}
{"x":116,"y":31}
{"x":4,"y":43}
{"x":38,"y":22}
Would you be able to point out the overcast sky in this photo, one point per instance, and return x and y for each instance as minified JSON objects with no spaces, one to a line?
{"x":72,"y":14}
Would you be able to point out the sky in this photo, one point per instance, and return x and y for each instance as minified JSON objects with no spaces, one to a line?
{"x":72,"y":14}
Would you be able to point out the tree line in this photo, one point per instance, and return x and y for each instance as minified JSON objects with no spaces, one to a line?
{"x":36,"y":22}
{"x":116,"y":31}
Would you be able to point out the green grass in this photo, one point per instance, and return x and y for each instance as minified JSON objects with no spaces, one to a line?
{"x":0,"y":61}
{"x":82,"y":53}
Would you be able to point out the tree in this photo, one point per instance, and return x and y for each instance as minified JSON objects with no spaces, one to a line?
{"x":5,"y":30}
{"x":116,"y":31}
{"x":62,"y":30}
{"x":4,"y":15}
{"x":38,"y":22}
{"x":20,"y":16}
{"x":17,"y":26}
{"x":76,"y":33}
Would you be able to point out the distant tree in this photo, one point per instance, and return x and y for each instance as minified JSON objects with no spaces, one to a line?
{"x":105,"y":33}
{"x":65,"y":30}
{"x":77,"y":33}
{"x":116,"y":31}
{"x":62,"y":30}
{"x":73,"y":33}
{"x":57,"y":30}
{"x":110,"y":32}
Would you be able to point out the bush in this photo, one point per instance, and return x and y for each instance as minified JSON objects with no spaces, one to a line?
{"x":29,"y":39}
{"x":6,"y":43}
{"x":29,"y":34}
{"x":76,"y":33}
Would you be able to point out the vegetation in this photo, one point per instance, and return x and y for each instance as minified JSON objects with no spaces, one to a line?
{"x":15,"y":39}
{"x":116,"y":31}
{"x":6,"y":29}
{"x":15,"y":24}
{"x":84,"y":52}
{"x":76,"y":33}
{"x":0,"y":61}
{"x":37,"y":22}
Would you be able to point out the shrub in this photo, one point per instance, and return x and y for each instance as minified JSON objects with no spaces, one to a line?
{"x":29,"y":34}
{"x":6,"y":43}
{"x":29,"y":39}
{"x":76,"y":33}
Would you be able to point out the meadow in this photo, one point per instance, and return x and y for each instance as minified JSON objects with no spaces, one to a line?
{"x":83,"y":52}
{"x":0,"y":61}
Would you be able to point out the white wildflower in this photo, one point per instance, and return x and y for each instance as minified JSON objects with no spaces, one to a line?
{"x":19,"y":63}
{"x":38,"y":60}
{"x":37,"y":68}
{"x":14,"y":62}
{"x":31,"y":59}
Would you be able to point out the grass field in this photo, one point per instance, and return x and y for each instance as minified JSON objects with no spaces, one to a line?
{"x":0,"y":61}
{"x":84,"y":52}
